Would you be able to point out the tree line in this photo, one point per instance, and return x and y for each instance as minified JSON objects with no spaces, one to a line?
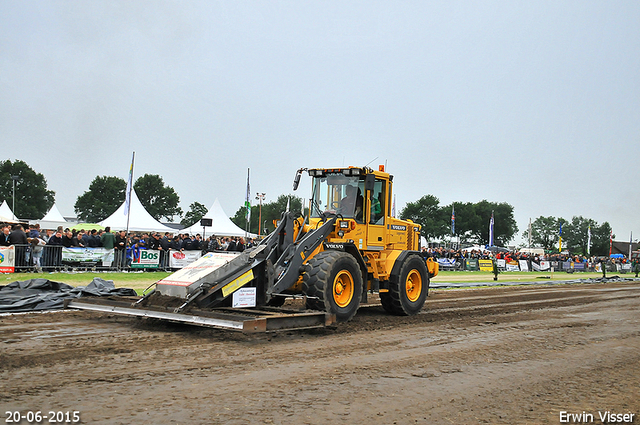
{"x":106,"y":193}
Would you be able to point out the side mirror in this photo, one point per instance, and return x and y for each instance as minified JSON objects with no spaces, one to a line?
{"x":369,"y":181}
{"x":296,"y":180}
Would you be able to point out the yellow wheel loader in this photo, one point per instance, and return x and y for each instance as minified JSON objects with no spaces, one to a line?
{"x":347,"y":246}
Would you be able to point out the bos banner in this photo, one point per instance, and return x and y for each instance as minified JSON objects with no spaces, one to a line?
{"x":180,"y":259}
{"x":7,"y":259}
{"x":87,"y":255}
{"x":148,"y":259}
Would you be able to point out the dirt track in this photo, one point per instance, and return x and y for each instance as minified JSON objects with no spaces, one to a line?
{"x":498,"y":356}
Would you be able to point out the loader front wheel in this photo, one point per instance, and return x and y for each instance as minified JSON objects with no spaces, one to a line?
{"x":333,"y":283}
{"x":408,"y":291}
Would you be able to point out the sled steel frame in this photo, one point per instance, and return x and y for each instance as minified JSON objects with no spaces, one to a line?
{"x":244,"y":320}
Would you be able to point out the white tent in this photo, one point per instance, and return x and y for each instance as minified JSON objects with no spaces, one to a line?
{"x":139,"y":221}
{"x":53,"y":214}
{"x":221,"y":224}
{"x":6,"y":214}
{"x":52,"y":219}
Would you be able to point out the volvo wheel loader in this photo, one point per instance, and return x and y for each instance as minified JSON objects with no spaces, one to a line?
{"x":347,"y":246}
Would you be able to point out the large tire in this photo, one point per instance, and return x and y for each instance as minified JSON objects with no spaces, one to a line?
{"x":408,"y":291}
{"x":334,"y":280}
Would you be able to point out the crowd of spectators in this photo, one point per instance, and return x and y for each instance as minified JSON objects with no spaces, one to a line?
{"x":514,"y":255}
{"x":127,"y":246}
{"x":38,"y":247}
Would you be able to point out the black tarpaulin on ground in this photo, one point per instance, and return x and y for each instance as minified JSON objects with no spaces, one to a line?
{"x":44,"y":294}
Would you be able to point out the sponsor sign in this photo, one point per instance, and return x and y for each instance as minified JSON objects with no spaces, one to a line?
{"x":87,"y":255}
{"x":149,"y":259}
{"x":543,"y":266}
{"x":447,"y":262}
{"x":512,"y":267}
{"x":485,"y":265}
{"x":502,"y":263}
{"x":244,"y":297}
{"x":180,"y":259}
{"x":237,"y":283}
{"x":7,"y":259}
{"x":524,"y":266}
{"x":471,"y":264}
{"x":199,"y":269}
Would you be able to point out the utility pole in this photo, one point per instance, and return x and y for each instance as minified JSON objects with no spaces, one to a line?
{"x":260,"y":197}
{"x":13,"y":208}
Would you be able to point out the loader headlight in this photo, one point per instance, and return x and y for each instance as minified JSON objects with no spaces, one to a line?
{"x":351,"y":172}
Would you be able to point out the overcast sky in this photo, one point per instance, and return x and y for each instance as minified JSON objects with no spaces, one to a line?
{"x":533,"y":103}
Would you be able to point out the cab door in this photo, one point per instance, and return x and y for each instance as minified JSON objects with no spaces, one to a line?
{"x":375,"y":214}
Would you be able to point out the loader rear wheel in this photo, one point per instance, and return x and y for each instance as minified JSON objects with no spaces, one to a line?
{"x":334,"y":281}
{"x":408,"y":291}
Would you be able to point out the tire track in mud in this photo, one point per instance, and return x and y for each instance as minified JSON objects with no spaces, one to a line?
{"x":460,"y":333}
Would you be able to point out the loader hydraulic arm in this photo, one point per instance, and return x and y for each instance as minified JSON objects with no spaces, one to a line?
{"x":287,"y":267}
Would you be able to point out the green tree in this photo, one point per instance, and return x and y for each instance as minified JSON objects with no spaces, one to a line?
{"x":159,"y":200}
{"x":545,"y":232}
{"x":467,"y":221}
{"x":195,"y":213}
{"x":600,"y":239}
{"x":270,"y":211}
{"x":575,"y":235}
{"x":104,"y":197}
{"x":427,"y":213}
{"x":504,"y":228}
{"x":32,"y":198}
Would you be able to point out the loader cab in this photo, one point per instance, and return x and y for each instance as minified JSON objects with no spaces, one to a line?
{"x":353,"y":193}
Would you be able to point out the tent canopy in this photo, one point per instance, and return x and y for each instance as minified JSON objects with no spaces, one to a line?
{"x":52,"y":219}
{"x":139,"y":219}
{"x":53,"y":214}
{"x":221,"y":224}
{"x":6,"y":214}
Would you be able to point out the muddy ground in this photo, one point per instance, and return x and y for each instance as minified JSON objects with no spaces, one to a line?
{"x":515,"y":355}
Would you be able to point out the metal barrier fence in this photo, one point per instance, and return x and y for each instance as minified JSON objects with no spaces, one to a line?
{"x":558,"y":266}
{"x":49,"y":258}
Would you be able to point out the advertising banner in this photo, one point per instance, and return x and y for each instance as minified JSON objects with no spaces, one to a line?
{"x":512,"y":267}
{"x":502,"y":263}
{"x":244,"y":297}
{"x":180,"y":259}
{"x":87,"y":255}
{"x":543,"y":266}
{"x":149,"y":259}
{"x":447,"y":262}
{"x":524,"y":265}
{"x":486,"y":265}
{"x":7,"y":259}
{"x":471,"y":264}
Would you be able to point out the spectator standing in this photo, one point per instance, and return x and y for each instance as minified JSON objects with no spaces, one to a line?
{"x":108,"y":239}
{"x":232,"y":245}
{"x":94,"y":239}
{"x":4,"y":239}
{"x":120,"y":249}
{"x":67,"y":239}
{"x":19,"y":238}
